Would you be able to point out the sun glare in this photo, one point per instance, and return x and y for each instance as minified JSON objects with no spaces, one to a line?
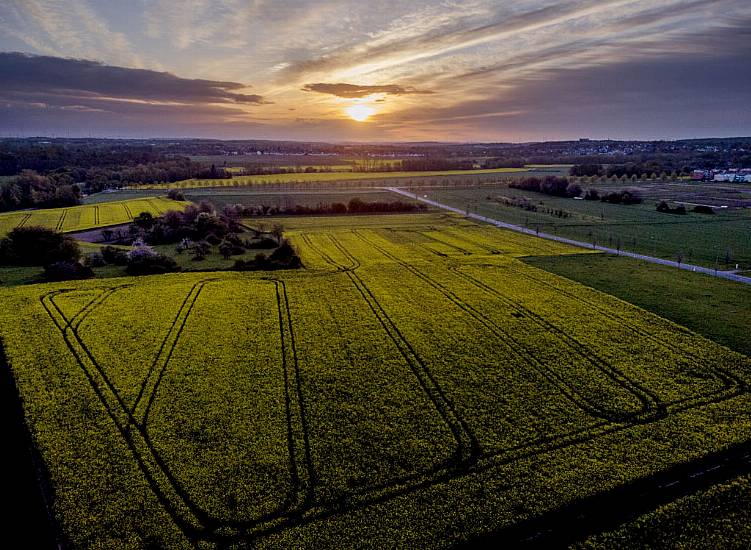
{"x":360,"y":113}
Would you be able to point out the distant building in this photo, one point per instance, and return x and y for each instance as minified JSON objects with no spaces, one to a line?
{"x":733,"y":177}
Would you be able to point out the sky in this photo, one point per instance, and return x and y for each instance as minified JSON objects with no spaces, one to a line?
{"x":376,"y":70}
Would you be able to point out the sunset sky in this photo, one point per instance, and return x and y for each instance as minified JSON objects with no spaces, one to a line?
{"x":330,"y":70}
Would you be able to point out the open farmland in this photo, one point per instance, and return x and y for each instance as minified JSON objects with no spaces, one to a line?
{"x":720,"y":240}
{"x":330,"y":177}
{"x":80,"y":218}
{"x":416,"y":385}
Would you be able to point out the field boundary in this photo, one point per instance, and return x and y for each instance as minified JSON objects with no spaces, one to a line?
{"x":580,"y":244}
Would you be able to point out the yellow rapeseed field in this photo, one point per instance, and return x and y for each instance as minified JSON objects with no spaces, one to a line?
{"x":414,"y":383}
{"x":88,"y":216}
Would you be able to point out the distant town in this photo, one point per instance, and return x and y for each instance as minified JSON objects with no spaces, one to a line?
{"x":733,"y":175}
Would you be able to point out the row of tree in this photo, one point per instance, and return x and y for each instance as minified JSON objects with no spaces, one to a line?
{"x":650,"y":169}
{"x":354,"y":206}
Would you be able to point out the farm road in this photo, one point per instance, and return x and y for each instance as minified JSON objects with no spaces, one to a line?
{"x":688,"y":267}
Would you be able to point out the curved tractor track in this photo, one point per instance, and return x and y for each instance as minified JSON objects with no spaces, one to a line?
{"x":300,"y":504}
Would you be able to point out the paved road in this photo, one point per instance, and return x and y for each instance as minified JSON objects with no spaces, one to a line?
{"x":688,"y":267}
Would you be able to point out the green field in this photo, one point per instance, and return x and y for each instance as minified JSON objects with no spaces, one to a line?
{"x":416,"y":385}
{"x":328,"y":177}
{"x":715,"y":308}
{"x":698,"y":238}
{"x":80,"y":218}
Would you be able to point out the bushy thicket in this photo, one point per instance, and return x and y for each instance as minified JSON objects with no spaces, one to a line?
{"x":66,"y":271}
{"x":144,"y":260}
{"x":37,"y":246}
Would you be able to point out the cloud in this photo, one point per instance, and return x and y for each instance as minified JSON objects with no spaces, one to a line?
{"x":400,"y":48}
{"x":669,"y":96}
{"x":79,"y":78}
{"x":73,"y":27}
{"x":356,"y":91}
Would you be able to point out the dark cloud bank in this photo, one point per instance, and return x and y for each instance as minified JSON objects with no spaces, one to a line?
{"x":85,"y":80}
{"x":354,"y":91}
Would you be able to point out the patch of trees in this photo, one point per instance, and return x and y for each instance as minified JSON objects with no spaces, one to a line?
{"x":32,"y":190}
{"x":196,"y":230}
{"x":284,"y":257}
{"x":624,"y":196}
{"x":37,"y":246}
{"x":665,"y":208}
{"x":195,"y":223}
{"x":549,"y":185}
{"x":354,"y":206}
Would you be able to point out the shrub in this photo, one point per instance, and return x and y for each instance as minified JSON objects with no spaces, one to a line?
{"x":263,"y":242}
{"x":200,"y":250}
{"x":212,"y":239}
{"x":65,"y":271}
{"x":144,"y":220}
{"x":95,"y":259}
{"x":175,"y":195}
{"x":592,"y":195}
{"x":37,"y":246}
{"x":114,"y":256}
{"x":702,"y":209}
{"x":573,"y":190}
{"x":626,"y":196}
{"x":229,"y":248}
{"x":285,"y":256}
{"x":665,"y":209}
{"x":144,"y":263}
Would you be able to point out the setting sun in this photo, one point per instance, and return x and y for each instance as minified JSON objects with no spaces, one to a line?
{"x":360,"y":113}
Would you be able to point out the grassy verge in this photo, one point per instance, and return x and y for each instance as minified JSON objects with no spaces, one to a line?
{"x":715,"y":308}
